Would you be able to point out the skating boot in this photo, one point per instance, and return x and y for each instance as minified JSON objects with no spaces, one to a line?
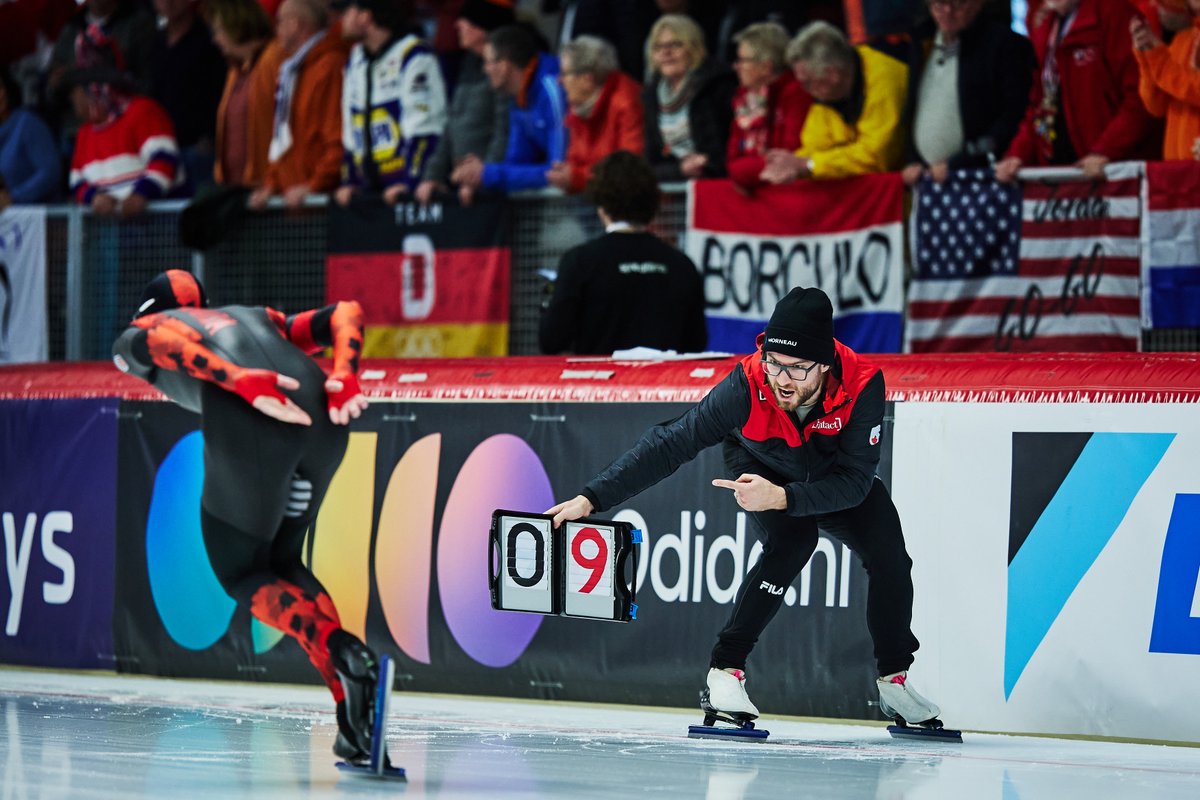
{"x":915,"y":716}
{"x":725,"y":700}
{"x":358,"y":670}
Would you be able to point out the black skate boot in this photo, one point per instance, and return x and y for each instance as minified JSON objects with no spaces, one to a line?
{"x":358,"y":670}
{"x":343,"y":745}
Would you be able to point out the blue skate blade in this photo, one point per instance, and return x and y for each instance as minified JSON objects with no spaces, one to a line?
{"x":925,"y":734}
{"x":383,"y":692}
{"x":713,"y":732}
{"x":365,"y":771}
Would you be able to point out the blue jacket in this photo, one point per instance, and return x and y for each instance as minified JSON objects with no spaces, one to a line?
{"x":537,"y":136}
{"x":28,"y":158}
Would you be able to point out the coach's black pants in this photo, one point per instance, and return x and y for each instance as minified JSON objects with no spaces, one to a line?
{"x":871,"y":529}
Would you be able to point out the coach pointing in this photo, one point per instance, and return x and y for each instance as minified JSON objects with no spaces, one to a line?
{"x":800,"y":423}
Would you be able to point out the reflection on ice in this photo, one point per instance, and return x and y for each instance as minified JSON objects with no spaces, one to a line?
{"x":97,"y":736}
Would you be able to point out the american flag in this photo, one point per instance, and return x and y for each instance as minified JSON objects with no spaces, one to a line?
{"x":1045,"y":264}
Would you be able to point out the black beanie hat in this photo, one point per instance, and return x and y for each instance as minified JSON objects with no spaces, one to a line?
{"x":802,"y":326}
{"x":174,"y":288}
{"x":488,"y":14}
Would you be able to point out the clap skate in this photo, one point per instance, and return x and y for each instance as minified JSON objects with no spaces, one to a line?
{"x":902,"y":703}
{"x":725,"y":701}
{"x":362,"y":716}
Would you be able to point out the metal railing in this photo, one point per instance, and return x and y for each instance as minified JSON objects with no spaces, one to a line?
{"x":97,"y":266}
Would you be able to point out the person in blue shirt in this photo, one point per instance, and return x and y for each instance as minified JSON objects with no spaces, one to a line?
{"x":29,"y":163}
{"x":537,"y":137}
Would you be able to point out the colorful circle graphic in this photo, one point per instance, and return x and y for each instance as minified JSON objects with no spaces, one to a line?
{"x":502,"y":472}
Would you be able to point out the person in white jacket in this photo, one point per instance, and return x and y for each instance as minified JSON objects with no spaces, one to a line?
{"x":393,"y":101}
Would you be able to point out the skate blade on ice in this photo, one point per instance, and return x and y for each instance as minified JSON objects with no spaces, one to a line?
{"x":747,"y":732}
{"x":378,"y":766}
{"x":926,"y":733}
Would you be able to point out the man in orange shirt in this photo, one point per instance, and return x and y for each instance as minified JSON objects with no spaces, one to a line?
{"x":305,"y":155}
{"x":606,"y":111}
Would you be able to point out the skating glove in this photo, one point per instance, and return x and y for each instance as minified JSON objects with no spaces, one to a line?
{"x":346,"y":400}
{"x":260,"y":388}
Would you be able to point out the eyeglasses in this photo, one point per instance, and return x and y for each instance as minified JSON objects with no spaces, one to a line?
{"x":662,"y":47}
{"x":794,"y":371}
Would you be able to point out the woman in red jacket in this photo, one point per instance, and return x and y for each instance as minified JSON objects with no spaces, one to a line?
{"x":606,"y":111}
{"x":769,"y":107}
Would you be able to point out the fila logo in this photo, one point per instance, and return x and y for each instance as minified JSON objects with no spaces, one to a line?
{"x":827,"y":425}
{"x":771,"y":588}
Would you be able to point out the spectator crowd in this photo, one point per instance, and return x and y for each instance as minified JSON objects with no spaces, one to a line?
{"x":115,"y":103}
{"x":118,"y":102}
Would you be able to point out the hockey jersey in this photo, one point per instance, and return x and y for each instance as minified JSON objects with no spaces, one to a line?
{"x":393,"y":113}
{"x":134,"y":152}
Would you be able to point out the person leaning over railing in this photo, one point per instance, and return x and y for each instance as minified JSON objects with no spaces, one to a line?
{"x":537,"y":137}
{"x":1084,"y":109}
{"x":125,"y":153}
{"x":688,"y":100}
{"x":1170,"y":81}
{"x":856,"y":123}
{"x":606,"y":111}
{"x":305,"y":154}
{"x":29,"y":164}
{"x":969,"y":83}
{"x":393,"y":101}
{"x":477,"y":121}
{"x":242,"y":32}
{"x":769,"y":107}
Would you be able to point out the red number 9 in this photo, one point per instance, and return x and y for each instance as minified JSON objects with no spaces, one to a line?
{"x":596,"y":563}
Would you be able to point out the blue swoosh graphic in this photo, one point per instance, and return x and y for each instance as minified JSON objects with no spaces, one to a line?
{"x":1070,"y":535}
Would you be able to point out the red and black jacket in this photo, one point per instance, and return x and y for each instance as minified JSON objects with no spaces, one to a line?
{"x":828,"y":463}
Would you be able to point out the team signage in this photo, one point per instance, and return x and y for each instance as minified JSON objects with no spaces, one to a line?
{"x":577,"y":570}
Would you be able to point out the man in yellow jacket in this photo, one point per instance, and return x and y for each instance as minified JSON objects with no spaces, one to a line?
{"x":855,"y":125}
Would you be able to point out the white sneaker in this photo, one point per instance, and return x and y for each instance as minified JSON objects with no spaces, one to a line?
{"x":898,"y":699}
{"x":727,"y":693}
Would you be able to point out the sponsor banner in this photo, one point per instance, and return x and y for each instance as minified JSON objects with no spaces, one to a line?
{"x":433,"y":280}
{"x":1034,"y":266}
{"x":23,"y":326}
{"x":402,"y":545}
{"x":1056,"y":559}
{"x":1171,"y":245}
{"x":57,"y":515}
{"x":844,"y":237}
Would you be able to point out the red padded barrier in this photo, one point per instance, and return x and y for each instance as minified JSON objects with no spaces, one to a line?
{"x":1047,"y":378}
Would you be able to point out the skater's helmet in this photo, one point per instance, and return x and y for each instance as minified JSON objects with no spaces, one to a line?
{"x":174,"y":288}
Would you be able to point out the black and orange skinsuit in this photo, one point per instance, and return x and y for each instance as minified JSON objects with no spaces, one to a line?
{"x":264,"y":479}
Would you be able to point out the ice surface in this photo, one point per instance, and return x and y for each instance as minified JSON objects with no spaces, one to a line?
{"x":89,"y":735}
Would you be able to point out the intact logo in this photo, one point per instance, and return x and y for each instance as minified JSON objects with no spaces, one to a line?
{"x":1059,"y":523}
{"x":827,"y":425}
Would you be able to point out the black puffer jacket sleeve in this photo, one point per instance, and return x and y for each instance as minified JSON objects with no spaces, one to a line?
{"x":665,"y":448}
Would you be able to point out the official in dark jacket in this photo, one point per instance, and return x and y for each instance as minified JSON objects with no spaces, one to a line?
{"x":969,"y":80}
{"x":627,"y":288}
{"x":800,"y":421}
{"x":688,"y":99}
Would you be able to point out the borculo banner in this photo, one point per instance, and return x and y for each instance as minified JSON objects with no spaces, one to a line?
{"x":401,"y":543}
{"x":842,"y":236}
{"x":57,"y":515}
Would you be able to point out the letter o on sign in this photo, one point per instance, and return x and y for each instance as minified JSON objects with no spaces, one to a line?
{"x":539,"y":544}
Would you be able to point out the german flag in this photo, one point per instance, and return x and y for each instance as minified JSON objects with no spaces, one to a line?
{"x":433,"y":280}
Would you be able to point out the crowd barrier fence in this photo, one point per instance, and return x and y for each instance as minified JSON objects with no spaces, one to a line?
{"x":96,"y":266}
